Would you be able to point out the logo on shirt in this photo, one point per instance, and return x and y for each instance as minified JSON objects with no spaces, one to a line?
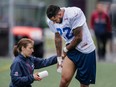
{"x":32,"y":66}
{"x":16,"y":74}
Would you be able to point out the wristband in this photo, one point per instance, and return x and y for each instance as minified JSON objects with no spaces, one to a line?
{"x":59,"y":59}
{"x":65,"y":50}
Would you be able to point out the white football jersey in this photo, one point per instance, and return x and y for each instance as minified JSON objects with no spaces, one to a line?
{"x":73,"y":18}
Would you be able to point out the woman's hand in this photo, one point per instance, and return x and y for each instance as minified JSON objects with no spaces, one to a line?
{"x":36,"y":77}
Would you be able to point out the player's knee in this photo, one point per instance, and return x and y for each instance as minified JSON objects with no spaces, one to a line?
{"x":65,"y":79}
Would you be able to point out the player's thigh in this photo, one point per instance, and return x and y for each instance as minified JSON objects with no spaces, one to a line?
{"x":68,"y":68}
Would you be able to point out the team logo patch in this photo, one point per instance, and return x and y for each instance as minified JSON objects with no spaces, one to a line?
{"x":32,"y":66}
{"x":16,"y":74}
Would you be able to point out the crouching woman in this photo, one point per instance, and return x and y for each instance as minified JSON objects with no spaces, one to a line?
{"x":22,"y":69}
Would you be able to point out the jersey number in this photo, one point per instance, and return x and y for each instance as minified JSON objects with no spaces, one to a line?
{"x":67,"y":31}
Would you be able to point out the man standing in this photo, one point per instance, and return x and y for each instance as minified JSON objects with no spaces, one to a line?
{"x":79,"y":52}
{"x":100,"y":23}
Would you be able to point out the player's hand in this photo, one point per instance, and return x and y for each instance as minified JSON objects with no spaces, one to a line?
{"x":61,"y":65}
{"x":36,"y":77}
{"x":64,"y":55}
{"x":60,"y":62}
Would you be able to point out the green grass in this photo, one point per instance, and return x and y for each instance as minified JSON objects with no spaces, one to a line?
{"x":106,"y":75}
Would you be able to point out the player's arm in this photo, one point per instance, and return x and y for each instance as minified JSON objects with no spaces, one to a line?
{"x":77,"y":38}
{"x":58,"y":44}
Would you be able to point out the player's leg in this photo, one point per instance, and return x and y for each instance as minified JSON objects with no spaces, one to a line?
{"x":86,"y":72}
{"x":67,"y":72}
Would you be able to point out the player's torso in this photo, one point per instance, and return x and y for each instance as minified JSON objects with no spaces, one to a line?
{"x":65,"y":30}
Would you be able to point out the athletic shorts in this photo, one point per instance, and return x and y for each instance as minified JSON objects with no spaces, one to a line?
{"x":85,"y":65}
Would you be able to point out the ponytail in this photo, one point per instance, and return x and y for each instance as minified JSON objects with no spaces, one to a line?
{"x":15,"y":51}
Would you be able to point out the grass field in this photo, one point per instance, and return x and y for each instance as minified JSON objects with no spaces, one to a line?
{"x":106,"y":75}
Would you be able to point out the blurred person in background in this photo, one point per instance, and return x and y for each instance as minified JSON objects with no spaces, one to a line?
{"x":22,"y":69}
{"x":79,"y":51}
{"x":100,"y":23}
{"x":109,"y":34}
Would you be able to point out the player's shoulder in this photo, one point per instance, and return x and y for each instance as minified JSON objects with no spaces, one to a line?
{"x":73,"y":8}
{"x":72,"y":11}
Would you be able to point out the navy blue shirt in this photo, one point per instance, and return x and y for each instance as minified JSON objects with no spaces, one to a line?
{"x":22,"y":69}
